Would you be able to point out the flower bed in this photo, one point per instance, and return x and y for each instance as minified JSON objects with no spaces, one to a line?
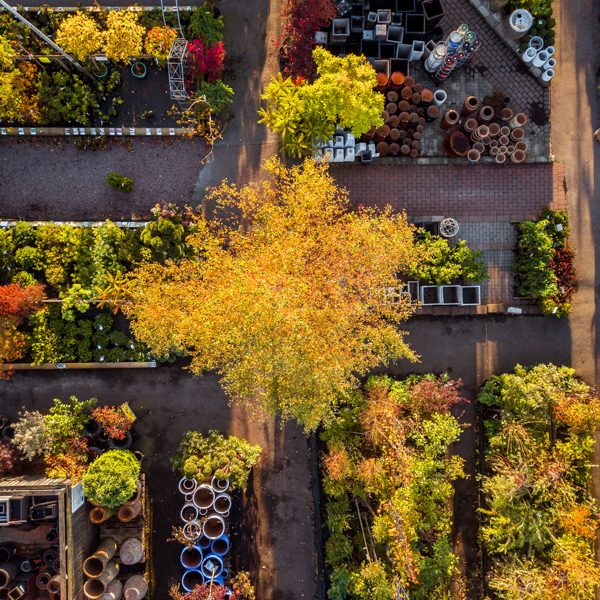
{"x":539,"y":517}
{"x":36,"y":95}
{"x":78,"y":266}
{"x":544,"y":262}
{"x":388,"y":484}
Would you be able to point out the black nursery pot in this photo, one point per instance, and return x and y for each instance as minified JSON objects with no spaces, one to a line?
{"x":92,"y":429}
{"x":123,"y":444}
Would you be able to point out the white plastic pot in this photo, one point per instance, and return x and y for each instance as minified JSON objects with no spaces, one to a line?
{"x":187,"y":486}
{"x":214,"y":526}
{"x":220,"y":485}
{"x":548,"y":74}
{"x":550,"y":64}
{"x":529,"y":55}
{"x":204,"y":497}
{"x":550,"y":50}
{"x":439,"y":97}
{"x":540,"y":58}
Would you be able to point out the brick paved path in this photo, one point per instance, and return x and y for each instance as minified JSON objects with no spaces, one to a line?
{"x":501,"y":67}
{"x":476,"y":193}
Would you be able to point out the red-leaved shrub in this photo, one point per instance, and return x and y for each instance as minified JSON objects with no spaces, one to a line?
{"x":302,"y":18}
{"x":562,"y":265}
{"x":427,"y":397}
{"x":20,"y":302}
{"x":207,"y":60}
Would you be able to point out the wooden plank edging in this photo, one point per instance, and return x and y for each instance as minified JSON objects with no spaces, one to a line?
{"x":96,"y":131}
{"x":90,"y":365}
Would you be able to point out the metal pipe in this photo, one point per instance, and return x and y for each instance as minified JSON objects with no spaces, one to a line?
{"x":44,"y":37}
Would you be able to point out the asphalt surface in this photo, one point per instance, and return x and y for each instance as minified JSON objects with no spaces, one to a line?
{"x":49,"y":178}
{"x":272,"y":533}
{"x":251,"y":30}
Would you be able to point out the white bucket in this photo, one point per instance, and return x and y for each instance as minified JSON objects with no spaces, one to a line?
{"x":540,"y":58}
{"x":439,"y":97}
{"x":548,"y":74}
{"x":529,"y":55}
{"x":536,"y":42}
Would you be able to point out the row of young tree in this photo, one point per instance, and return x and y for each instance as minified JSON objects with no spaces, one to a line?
{"x":389,"y":479}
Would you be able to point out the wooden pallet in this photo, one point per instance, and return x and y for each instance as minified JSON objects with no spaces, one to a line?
{"x":136,"y":528}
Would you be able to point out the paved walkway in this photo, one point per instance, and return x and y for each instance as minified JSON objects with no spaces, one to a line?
{"x":485,"y":200}
{"x":250,"y":28}
{"x":577,"y":76}
{"x":473,"y":192}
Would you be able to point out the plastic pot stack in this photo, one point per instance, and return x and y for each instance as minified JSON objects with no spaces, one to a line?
{"x":455,"y":52}
{"x":542,"y":57}
{"x":205,"y":518}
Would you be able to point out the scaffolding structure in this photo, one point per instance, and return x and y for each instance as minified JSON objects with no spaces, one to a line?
{"x":175,"y":64}
{"x":176,"y":59}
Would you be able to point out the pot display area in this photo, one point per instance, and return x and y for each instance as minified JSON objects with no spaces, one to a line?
{"x":431,"y":88}
{"x":205,"y":517}
{"x":117,"y":569}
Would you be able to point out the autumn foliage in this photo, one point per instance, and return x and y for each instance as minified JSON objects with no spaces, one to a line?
{"x":20,"y":302}
{"x":16,"y":304}
{"x":290,"y":308}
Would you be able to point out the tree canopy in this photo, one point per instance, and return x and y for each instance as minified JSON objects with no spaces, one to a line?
{"x":306,"y":114}
{"x":285,"y":300}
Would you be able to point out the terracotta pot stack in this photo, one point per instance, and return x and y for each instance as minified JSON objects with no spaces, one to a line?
{"x":408,"y":107}
{"x":501,"y":136}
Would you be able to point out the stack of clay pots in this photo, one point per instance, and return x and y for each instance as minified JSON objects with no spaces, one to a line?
{"x":204,"y":515}
{"x":102,"y":569}
{"x":35,"y":576}
{"x":499,"y":136}
{"x":408,"y":107}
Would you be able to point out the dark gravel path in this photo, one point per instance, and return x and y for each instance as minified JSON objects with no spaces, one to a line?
{"x":52,"y":179}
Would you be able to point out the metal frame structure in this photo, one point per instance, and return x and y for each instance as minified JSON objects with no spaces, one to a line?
{"x":46,"y":39}
{"x":176,"y":59}
{"x":175,"y":63}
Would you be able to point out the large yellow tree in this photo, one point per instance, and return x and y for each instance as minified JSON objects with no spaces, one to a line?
{"x":287,"y":298}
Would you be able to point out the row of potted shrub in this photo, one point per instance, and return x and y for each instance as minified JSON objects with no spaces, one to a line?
{"x":50,"y":96}
{"x":75,"y":265}
{"x":68,"y":438}
{"x":543,"y":266}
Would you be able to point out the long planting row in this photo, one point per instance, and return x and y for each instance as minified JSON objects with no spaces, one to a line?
{"x":544,"y":262}
{"x":76,"y":266}
{"x":40,"y":92}
{"x":389,"y":484}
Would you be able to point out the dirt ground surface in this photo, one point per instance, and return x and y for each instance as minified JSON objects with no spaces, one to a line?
{"x":578,"y":76}
{"x":272,"y":532}
{"x":53,"y":179}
